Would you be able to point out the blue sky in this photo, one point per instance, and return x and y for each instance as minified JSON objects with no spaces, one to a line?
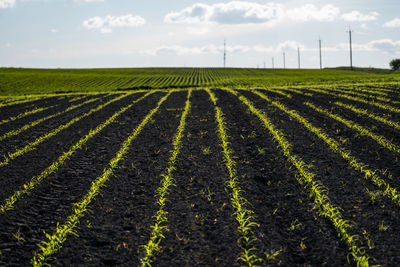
{"x":126,"y":33}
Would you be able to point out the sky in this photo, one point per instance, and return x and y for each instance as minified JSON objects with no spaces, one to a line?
{"x":187,"y":33}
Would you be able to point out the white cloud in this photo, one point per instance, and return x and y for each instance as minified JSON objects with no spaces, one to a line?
{"x":383,"y":45}
{"x":197,"y":50}
{"x":7,"y":3}
{"x":284,"y":46}
{"x":105,"y":24}
{"x":386,"y":45}
{"x":394,"y":23}
{"x":218,"y":49}
{"x":358,"y":16}
{"x":240,"y":12}
{"x":54,"y":31}
{"x":310,"y":12}
{"x":88,"y":1}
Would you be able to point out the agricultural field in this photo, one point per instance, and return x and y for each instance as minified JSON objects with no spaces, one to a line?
{"x":44,"y":81}
{"x":251,"y":172}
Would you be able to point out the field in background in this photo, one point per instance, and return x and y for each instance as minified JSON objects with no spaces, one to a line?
{"x":40,"y":81}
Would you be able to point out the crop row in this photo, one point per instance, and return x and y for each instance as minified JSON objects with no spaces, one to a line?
{"x":14,"y":81}
{"x":246,"y":222}
{"x":336,"y":147}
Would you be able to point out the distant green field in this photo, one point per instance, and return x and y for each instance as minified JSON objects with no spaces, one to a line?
{"x":17,"y":81}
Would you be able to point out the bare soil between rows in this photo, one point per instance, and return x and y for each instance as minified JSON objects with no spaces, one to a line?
{"x":202,"y":230}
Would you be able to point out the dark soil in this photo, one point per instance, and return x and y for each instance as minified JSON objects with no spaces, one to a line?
{"x":202,"y":229}
{"x":347,"y":187}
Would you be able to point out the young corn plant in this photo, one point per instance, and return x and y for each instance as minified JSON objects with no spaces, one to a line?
{"x":372,"y":115}
{"x":54,"y":242}
{"x":36,"y":122}
{"x":335,"y":146}
{"x":22,"y":115}
{"x":243,"y":215}
{"x":36,"y":180}
{"x":317,"y":191}
{"x":32,"y":145}
{"x":381,"y":140}
{"x":161,"y":220}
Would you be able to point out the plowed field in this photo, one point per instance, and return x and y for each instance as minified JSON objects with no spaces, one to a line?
{"x":283,"y":176}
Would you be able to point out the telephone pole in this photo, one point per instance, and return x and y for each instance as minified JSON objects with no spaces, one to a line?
{"x":224,"y":53}
{"x":351,"y":50}
{"x":298,"y":56}
{"x":320,"y":55}
{"x":273,"y":63}
{"x":264,"y":64}
{"x":284,"y":61}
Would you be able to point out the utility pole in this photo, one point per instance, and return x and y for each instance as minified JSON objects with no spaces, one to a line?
{"x":264,"y":64}
{"x":224,"y":53}
{"x":284,"y":61}
{"x":273,"y":63}
{"x":351,"y":50}
{"x":298,"y":56}
{"x":320,"y":55}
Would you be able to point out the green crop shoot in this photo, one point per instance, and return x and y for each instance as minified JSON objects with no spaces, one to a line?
{"x":36,"y":180}
{"x":361,"y":130}
{"x":161,"y":220}
{"x":373,"y":116}
{"x":34,"y":123}
{"x":32,"y":145}
{"x":336,"y":147}
{"x":22,"y":115}
{"x":55,"y":241}
{"x":305,"y":177}
{"x":243,"y":215}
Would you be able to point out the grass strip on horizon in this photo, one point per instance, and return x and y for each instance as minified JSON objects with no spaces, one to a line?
{"x":36,"y":180}
{"x":243,"y":215}
{"x":32,"y":145}
{"x":55,"y":241}
{"x":160,"y":226}
{"x":317,"y":191}
{"x":370,"y":114}
{"x":335,"y":146}
{"x":381,"y":140}
{"x":36,"y":122}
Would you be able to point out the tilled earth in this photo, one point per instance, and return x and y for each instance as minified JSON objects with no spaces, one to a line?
{"x":202,"y":229}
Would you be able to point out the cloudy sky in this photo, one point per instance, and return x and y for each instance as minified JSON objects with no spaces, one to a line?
{"x":126,"y":33}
